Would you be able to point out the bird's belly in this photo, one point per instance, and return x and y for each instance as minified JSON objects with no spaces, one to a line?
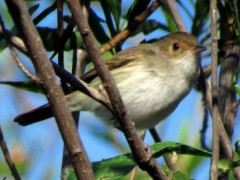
{"x":152,"y":100}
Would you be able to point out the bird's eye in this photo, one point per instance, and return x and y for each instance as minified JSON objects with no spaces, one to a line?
{"x":176,"y":46}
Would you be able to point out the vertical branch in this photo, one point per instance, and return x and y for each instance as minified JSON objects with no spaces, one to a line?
{"x":140,"y":152}
{"x":66,"y":159}
{"x":65,"y":122}
{"x":215,"y":112}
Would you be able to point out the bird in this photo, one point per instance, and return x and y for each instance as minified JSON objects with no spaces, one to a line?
{"x":152,"y":79}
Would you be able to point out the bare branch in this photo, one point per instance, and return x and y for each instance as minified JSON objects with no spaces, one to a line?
{"x":215,"y":110}
{"x":23,"y":68}
{"x":7,"y":35}
{"x":64,"y":119}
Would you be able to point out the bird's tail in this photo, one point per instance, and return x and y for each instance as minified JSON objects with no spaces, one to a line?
{"x":74,"y":100}
{"x":39,"y":114}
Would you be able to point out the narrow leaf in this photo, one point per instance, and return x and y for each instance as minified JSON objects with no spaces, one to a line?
{"x":225,"y":165}
{"x":115,"y":8}
{"x":148,"y":27}
{"x":25,"y":85}
{"x":170,"y":22}
{"x":137,"y":7}
{"x":237,"y":147}
{"x":114,"y":168}
{"x":164,"y":147}
{"x":201,"y":16}
{"x":180,"y":176}
{"x":50,"y":39}
{"x":98,"y":30}
{"x":120,"y":166}
{"x":33,"y":8}
{"x":45,"y":13}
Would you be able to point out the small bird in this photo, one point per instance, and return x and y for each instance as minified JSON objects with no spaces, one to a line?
{"x":152,"y":79}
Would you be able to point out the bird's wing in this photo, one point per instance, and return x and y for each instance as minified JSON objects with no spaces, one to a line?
{"x":122,"y":58}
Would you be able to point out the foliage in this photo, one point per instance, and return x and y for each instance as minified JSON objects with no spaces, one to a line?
{"x":121,"y":166}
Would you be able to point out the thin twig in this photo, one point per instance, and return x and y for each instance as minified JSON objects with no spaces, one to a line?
{"x":8,"y":37}
{"x":203,"y":130}
{"x":22,"y":67}
{"x":203,"y":85}
{"x":215,"y":110}
{"x":7,"y":157}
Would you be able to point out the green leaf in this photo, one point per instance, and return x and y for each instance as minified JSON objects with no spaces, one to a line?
{"x":98,"y":30}
{"x":68,"y":174}
{"x":114,"y":168}
{"x":149,"y":26}
{"x":171,"y":25}
{"x":45,"y":13}
{"x":24,"y":85}
{"x":237,"y":147}
{"x":3,"y":44}
{"x":120,"y":166}
{"x":225,"y":165}
{"x":33,"y":8}
{"x":237,"y":89}
{"x":164,"y":147}
{"x":236,"y":13}
{"x":137,"y":7}
{"x":50,"y":39}
{"x":115,"y":8}
{"x":201,"y":16}
{"x":180,"y":176}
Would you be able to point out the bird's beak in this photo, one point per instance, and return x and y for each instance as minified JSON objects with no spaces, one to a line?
{"x":199,"y":48}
